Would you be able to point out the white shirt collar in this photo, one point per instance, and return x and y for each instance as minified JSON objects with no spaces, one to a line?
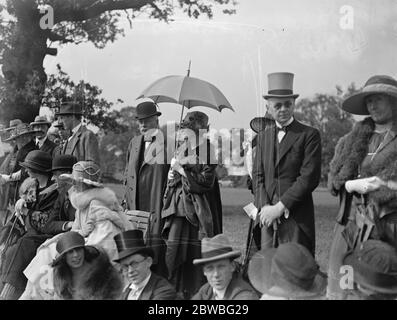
{"x":286,"y":124}
{"x":219,"y":294}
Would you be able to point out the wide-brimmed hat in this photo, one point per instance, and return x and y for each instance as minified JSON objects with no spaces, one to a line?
{"x":131,"y":242}
{"x":289,"y":271}
{"x":355,"y":104}
{"x":39,"y":120}
{"x":13,"y":124}
{"x":63,"y":162}
{"x":280,"y":85}
{"x":69,"y":108}
{"x":216,"y":248}
{"x":146,"y":109}
{"x":21,"y":130}
{"x":38,"y":160}
{"x":86,"y":172}
{"x":66,"y":242}
{"x":374,"y":266}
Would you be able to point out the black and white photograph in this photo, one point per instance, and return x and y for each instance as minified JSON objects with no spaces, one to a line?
{"x":198,"y":150}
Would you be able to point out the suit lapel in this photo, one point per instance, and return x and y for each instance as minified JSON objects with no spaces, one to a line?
{"x":72,"y":143}
{"x":136,"y":153}
{"x":148,"y":290}
{"x":269,"y":141}
{"x":154,"y":149}
{"x":125,"y":294}
{"x":289,"y":139}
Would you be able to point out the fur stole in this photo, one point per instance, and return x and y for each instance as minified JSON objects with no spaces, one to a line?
{"x":350,"y":153}
{"x":102,"y":204}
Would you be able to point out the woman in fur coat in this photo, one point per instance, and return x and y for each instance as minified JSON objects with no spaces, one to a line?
{"x":84,"y":272}
{"x":363,"y":173}
{"x":98,"y":218}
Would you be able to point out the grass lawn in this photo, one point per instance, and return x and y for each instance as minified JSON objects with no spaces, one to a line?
{"x":236,"y":222}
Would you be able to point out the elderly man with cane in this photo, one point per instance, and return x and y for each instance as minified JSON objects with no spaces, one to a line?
{"x":286,"y":170}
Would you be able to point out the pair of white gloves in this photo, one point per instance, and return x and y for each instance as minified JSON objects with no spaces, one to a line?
{"x":366,"y":185}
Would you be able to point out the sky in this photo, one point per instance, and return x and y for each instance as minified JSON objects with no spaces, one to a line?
{"x":324,"y":43}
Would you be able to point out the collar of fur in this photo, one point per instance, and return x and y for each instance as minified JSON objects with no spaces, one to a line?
{"x":102,"y":203}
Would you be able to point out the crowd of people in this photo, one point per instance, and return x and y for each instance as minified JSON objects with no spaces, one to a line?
{"x":65,"y":235}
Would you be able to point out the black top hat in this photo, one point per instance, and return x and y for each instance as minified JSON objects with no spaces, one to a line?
{"x":38,"y":160}
{"x":129,"y":243}
{"x":63,"y":162}
{"x":69,"y":107}
{"x":146,"y":109}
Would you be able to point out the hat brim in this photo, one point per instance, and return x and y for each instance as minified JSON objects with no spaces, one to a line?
{"x":69,"y":178}
{"x":228,"y":255}
{"x":355,"y":104}
{"x":28,"y":165}
{"x":59,"y":256}
{"x":267,"y":96}
{"x":129,"y":252}
{"x":32,"y":132}
{"x":364,"y":281}
{"x":259,"y":269}
{"x":68,"y":113}
{"x":148,"y":116}
{"x":318,"y":289}
{"x":40,"y":123}
{"x":61,"y":169}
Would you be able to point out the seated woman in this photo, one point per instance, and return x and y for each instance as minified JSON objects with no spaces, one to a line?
{"x":18,"y":255}
{"x":84,"y":272}
{"x":98,"y":219}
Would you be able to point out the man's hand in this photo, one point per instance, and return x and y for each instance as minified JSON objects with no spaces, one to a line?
{"x":20,"y":208}
{"x":363,"y":186}
{"x":269,"y":214}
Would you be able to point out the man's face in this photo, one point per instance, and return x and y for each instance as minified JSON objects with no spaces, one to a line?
{"x":136,"y":268}
{"x":281,"y":109}
{"x":380,"y":108}
{"x":148,"y":123}
{"x":219,"y":273}
{"x":67,"y":121}
{"x":43,"y":128}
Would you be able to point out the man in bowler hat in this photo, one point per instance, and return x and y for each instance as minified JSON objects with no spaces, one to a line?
{"x":135,"y":260}
{"x":286,"y":170}
{"x":82,"y":143}
{"x":43,"y":143}
{"x":145,"y":176}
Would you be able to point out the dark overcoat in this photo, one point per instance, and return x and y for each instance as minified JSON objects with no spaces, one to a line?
{"x":289,"y":171}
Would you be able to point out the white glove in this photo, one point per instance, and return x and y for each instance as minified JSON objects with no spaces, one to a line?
{"x":20,"y":208}
{"x":4,"y":179}
{"x":363,"y":186}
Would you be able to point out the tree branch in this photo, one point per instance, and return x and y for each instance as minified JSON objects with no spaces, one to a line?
{"x":67,"y":10}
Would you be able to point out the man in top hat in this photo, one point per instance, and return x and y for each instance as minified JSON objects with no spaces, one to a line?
{"x":364,"y":164}
{"x":286,"y":170}
{"x":145,"y":176}
{"x":217,"y":260}
{"x":288,"y":272}
{"x":82,"y":143}
{"x":135,"y":259}
{"x":43,"y":143}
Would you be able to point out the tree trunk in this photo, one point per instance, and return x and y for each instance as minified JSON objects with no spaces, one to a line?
{"x":23,"y":65}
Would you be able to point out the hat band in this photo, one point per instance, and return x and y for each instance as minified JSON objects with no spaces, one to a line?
{"x":377,"y":279}
{"x":280,"y":92}
{"x":385,"y":88}
{"x":216,"y":252}
{"x":283,"y":277}
{"x":35,"y":165}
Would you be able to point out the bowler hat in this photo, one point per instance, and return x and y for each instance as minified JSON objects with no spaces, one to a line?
{"x":21,"y":130}
{"x":289,"y":271}
{"x":355,"y":104}
{"x":37,"y":160}
{"x":68,"y":241}
{"x":39,"y":120}
{"x":374,"y":266}
{"x":63,"y":162}
{"x":69,"y":108}
{"x":216,"y":248}
{"x":131,"y":242}
{"x":280,"y":85}
{"x":86,"y":172}
{"x":146,"y":109}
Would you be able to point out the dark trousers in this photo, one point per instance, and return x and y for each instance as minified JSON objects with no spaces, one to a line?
{"x":288,"y":231}
{"x":17,"y":258}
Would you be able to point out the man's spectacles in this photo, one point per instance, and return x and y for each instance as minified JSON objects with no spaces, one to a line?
{"x":286,"y":104}
{"x":133,"y":264}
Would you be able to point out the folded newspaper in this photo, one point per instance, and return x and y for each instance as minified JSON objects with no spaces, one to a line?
{"x":251,"y":211}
